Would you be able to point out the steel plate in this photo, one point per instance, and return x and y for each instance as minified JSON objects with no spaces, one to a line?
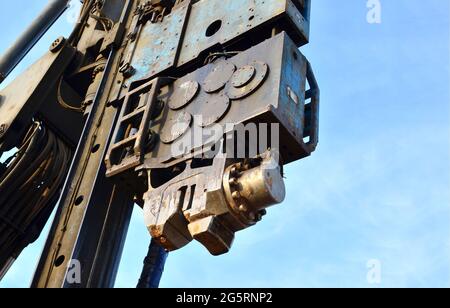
{"x":184,"y":94}
{"x":175,"y":126}
{"x":243,"y":76}
{"x":262,"y":69}
{"x":219,"y":76}
{"x":213,"y":108}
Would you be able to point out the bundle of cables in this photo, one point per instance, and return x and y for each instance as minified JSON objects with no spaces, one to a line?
{"x":30,"y":183}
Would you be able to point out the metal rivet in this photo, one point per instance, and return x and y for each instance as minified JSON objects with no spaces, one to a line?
{"x":233,"y":181}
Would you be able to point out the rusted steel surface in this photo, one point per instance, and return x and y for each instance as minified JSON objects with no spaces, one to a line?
{"x":254,"y":86}
{"x":191,"y":30}
{"x":158,"y":44}
{"x":252,"y":73}
{"x":278,"y":95}
{"x":215,"y":22}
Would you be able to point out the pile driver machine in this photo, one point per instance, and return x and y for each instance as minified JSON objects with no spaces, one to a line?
{"x":186,"y":108}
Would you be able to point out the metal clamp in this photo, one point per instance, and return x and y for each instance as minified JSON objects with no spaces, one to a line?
{"x":311,"y":128}
{"x":132,"y":135}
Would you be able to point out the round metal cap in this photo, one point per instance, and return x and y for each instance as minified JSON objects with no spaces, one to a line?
{"x":243,"y":76}
{"x":184,"y":94}
{"x":213,"y":109}
{"x":57,"y":44}
{"x":247,"y":85}
{"x":175,"y":126}
{"x":218,"y":77}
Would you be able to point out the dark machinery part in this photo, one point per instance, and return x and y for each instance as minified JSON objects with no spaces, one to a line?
{"x":94,"y":213}
{"x":31,"y":180}
{"x":54,"y":91}
{"x":153,"y":267}
{"x":34,"y":93}
{"x":31,"y":36}
{"x":185,"y":201}
{"x":187,"y":108}
{"x":29,"y":187}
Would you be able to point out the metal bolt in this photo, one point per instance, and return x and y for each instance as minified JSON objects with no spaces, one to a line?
{"x":235,"y":195}
{"x":234,"y":171}
{"x":127,"y":70}
{"x":243,"y":208}
{"x":57,"y":44}
{"x":233,"y":182}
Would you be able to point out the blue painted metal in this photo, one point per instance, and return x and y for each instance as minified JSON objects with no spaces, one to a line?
{"x":237,"y":17}
{"x":281,"y":97}
{"x":182,"y":35}
{"x":158,"y":45}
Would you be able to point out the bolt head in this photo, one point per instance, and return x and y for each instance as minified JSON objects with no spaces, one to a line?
{"x":243,"y":208}
{"x":234,"y":171}
{"x":57,"y":44}
{"x":235,"y":195}
{"x":233,"y":181}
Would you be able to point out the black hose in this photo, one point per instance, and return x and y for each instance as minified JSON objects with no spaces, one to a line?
{"x":29,"y":189}
{"x":153,"y":267}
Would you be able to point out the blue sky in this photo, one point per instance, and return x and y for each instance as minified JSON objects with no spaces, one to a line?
{"x":378,"y":185}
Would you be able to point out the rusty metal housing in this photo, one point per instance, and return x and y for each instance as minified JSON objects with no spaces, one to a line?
{"x":263,"y":81}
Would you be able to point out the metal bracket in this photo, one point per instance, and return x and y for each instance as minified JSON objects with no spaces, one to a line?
{"x":132,"y":135}
{"x":311,"y":129}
